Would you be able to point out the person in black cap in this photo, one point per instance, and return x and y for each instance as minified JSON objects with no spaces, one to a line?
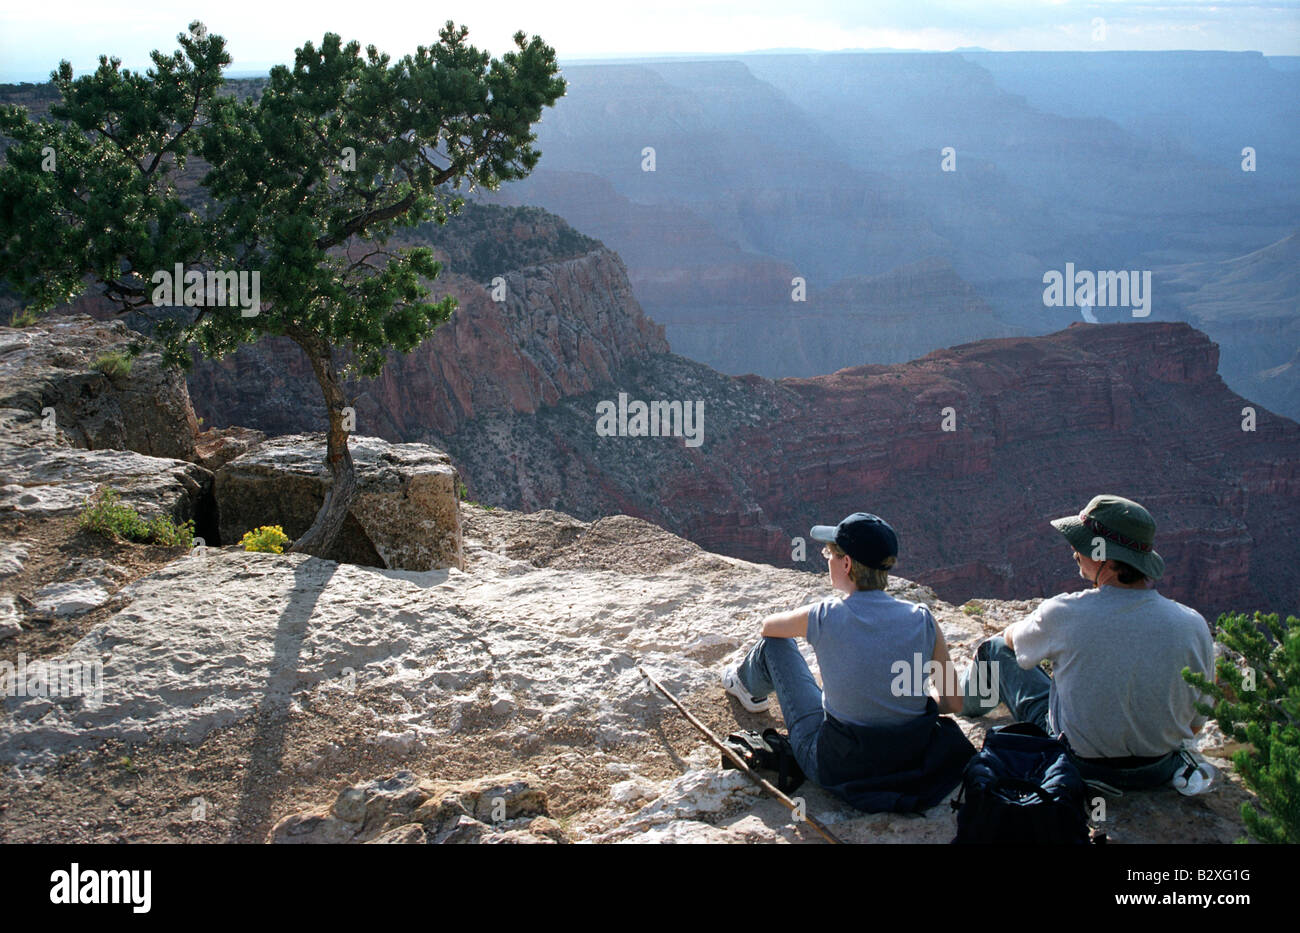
{"x":873,"y":717}
{"x":1117,"y":650}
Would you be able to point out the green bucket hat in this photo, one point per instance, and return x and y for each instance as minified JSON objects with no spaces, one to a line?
{"x":1127,"y":529}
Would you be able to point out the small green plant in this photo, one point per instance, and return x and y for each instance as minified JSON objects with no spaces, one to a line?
{"x":165,"y":532}
{"x":1258,"y":703}
{"x":24,"y":318}
{"x":105,"y":514}
{"x":114,"y":364}
{"x":973,"y":608}
{"x":462,"y":492}
{"x":268,"y":539}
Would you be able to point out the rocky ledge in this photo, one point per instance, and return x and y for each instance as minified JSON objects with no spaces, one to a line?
{"x":73,"y":381}
{"x":340,"y":702}
{"x":404,"y":515}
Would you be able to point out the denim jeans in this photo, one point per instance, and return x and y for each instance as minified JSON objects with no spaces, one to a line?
{"x":776,"y":664}
{"x":995,"y":676}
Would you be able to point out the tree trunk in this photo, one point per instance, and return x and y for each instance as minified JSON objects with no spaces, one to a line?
{"x":320,"y":537}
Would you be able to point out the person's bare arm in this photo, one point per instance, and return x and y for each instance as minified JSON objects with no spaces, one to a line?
{"x":792,"y":624}
{"x":946,"y":688}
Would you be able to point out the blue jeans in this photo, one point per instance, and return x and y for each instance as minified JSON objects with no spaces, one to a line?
{"x":776,"y":664}
{"x":995,"y":676}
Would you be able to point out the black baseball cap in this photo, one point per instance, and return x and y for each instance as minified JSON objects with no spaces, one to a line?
{"x":866,"y":538}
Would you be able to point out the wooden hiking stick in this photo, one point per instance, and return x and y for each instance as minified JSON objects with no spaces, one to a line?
{"x":740,"y":762}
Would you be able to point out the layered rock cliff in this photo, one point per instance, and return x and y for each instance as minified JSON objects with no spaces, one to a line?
{"x":561,"y":327}
{"x":737,"y":311}
{"x":1040,"y":425}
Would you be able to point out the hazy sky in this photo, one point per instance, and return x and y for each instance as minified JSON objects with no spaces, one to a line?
{"x":35,"y":36}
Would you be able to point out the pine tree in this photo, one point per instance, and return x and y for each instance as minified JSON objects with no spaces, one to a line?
{"x":306,"y":184}
{"x":1259,"y":703}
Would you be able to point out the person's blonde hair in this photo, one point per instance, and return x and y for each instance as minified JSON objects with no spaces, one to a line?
{"x":864,"y":577}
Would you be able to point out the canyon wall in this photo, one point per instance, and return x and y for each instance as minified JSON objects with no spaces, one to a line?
{"x":1041,"y":425}
{"x":562,"y":328}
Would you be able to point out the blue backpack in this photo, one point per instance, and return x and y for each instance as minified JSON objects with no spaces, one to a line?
{"x":1022,"y":787}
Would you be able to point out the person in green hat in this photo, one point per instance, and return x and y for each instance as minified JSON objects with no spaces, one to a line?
{"x":1117,"y":652}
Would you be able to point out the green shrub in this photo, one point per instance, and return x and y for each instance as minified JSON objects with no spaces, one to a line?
{"x":462,"y":492}
{"x":24,"y":318}
{"x":105,"y":514}
{"x":113,"y":364}
{"x":973,"y":608}
{"x":1259,"y":703}
{"x":165,"y":532}
{"x":269,"y":539}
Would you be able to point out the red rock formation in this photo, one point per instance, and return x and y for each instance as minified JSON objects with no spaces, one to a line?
{"x":562,"y":329}
{"x":1042,"y":425}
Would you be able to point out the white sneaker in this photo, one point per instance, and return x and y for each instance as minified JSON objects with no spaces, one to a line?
{"x":1195,"y":775}
{"x":731,"y":683}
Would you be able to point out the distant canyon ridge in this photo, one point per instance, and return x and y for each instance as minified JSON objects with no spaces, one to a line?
{"x":923,"y":196}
